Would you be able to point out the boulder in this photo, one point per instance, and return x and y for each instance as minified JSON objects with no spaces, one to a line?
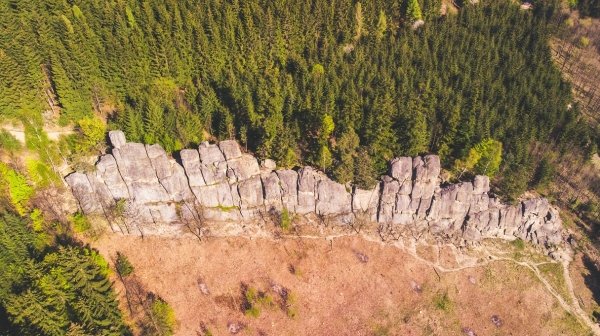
{"x":289,"y":189}
{"x":307,"y":184}
{"x":390,"y":188}
{"x":160,"y":161}
{"x":230,"y":149}
{"x":117,"y":138}
{"x":272,"y":191}
{"x":83,"y":192}
{"x":138,"y":174}
{"x":251,"y":193}
{"x":401,"y":169}
{"x":176,"y":184}
{"x":191,"y":163}
{"x":210,"y":154}
{"x":366,"y":200}
{"x":332,"y":198}
{"x":242,"y":168}
{"x":481,"y":184}
{"x":268,"y":164}
{"x":108,"y":173}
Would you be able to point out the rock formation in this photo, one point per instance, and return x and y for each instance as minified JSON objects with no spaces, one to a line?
{"x":228,"y":185}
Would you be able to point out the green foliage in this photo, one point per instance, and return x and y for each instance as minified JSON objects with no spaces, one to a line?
{"x":518,"y":244}
{"x":294,"y":76}
{"x":80,"y":223}
{"x":47,"y":293}
{"x":484,"y":159}
{"x":544,"y":173}
{"x":413,"y":11}
{"x":443,"y":302}
{"x":490,"y":152}
{"x":90,"y":136}
{"x":9,"y":142}
{"x":123,"y":266}
{"x":163,"y":317}
{"x":20,"y":191}
{"x":284,"y":221}
{"x":365,"y":175}
{"x":346,"y":149}
{"x":324,"y":158}
{"x":40,"y":174}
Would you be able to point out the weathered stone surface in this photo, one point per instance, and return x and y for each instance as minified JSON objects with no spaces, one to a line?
{"x":307,"y":183}
{"x":389,"y":191}
{"x":332,"y":198}
{"x":272,"y":191}
{"x":268,"y":164}
{"x":83,"y":192}
{"x":242,"y":168}
{"x":117,"y":138}
{"x":366,"y":200}
{"x":289,"y":189}
{"x":251,"y":193}
{"x":160,"y":161}
{"x":481,"y":184}
{"x":210,"y":154}
{"x":402,"y":169}
{"x":108,"y":173}
{"x":176,"y":184}
{"x":230,"y":149}
{"x":230,"y":186}
{"x":139,"y":175}
{"x":191,"y":163}
{"x":425,"y":171}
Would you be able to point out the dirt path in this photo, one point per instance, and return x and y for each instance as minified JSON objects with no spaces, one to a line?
{"x":19,"y":133}
{"x":572,"y":307}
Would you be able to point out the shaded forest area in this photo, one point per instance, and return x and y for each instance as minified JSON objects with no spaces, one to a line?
{"x":321,"y":82}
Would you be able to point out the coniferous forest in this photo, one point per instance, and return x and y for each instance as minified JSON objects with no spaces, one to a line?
{"x":315,"y":82}
{"x":342,"y":85}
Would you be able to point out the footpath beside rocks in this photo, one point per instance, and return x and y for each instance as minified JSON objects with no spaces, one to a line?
{"x":218,"y":182}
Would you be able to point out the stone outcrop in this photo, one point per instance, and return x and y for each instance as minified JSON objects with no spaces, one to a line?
{"x":228,"y":185}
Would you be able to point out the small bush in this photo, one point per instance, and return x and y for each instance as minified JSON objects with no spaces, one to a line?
{"x":123,"y":266}
{"x":164,"y":317}
{"x":254,"y":311}
{"x":80,"y":223}
{"x":285,"y":222}
{"x":443,"y":302}
{"x":518,"y":243}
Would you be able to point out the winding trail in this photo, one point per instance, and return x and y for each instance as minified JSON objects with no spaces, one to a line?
{"x":573,"y":307}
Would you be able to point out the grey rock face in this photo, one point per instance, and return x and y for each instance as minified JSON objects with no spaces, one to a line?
{"x":272,"y":188}
{"x":307,"y":184}
{"x":83,"y":192}
{"x":242,"y":168}
{"x":108,"y":173}
{"x":366,"y":201}
{"x":139,"y":175}
{"x":191,"y":162}
{"x":117,"y":138}
{"x":332,"y":198}
{"x":230,"y":149}
{"x":289,"y":188}
{"x":481,"y":184}
{"x":230,"y":186}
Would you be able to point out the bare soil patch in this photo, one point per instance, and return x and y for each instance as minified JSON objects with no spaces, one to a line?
{"x":315,"y":287}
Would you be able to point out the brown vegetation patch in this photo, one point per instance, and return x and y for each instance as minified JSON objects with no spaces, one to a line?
{"x":336,"y":294}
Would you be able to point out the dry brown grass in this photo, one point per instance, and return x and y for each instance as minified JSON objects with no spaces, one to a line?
{"x":335,"y":292}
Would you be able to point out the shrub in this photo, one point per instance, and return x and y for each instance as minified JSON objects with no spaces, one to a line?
{"x":123,"y":266}
{"x":285,"y":221}
{"x":80,"y":223}
{"x":164,"y":317}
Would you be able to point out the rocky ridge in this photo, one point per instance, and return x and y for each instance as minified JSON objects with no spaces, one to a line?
{"x":218,"y":182}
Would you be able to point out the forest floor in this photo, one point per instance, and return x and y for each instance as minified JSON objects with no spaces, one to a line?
{"x":349,"y":284}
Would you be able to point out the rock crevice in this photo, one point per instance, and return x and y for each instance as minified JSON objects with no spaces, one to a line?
{"x":228,"y":185}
